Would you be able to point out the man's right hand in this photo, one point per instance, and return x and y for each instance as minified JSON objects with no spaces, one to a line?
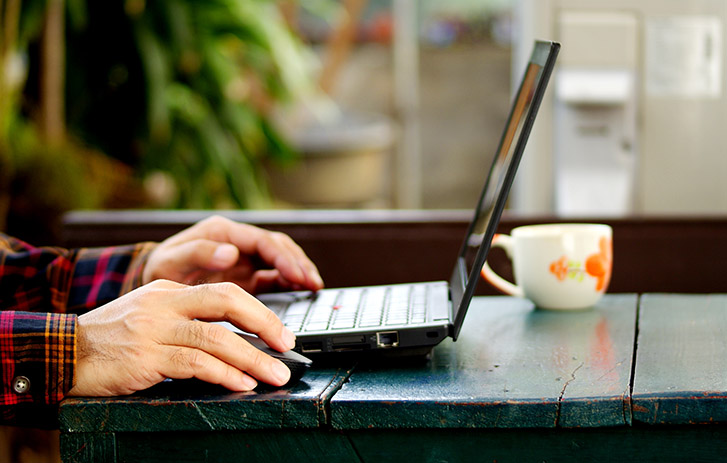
{"x":159,"y":331}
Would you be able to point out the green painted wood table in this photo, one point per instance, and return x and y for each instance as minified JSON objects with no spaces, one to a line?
{"x":631,"y":379}
{"x":681,"y":368}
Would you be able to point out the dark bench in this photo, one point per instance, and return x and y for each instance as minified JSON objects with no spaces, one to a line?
{"x":684,"y":255}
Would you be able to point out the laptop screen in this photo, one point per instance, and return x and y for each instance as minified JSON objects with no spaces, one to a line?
{"x":476,"y":245}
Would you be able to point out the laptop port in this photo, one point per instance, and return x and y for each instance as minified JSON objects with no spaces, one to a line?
{"x":309,"y":347}
{"x":345,"y":340}
{"x":349,"y":343}
{"x":387,"y":339}
{"x":351,"y":347}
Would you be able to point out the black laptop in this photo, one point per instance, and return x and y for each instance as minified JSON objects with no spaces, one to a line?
{"x":412,"y":318}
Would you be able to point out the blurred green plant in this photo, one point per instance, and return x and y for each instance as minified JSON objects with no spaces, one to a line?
{"x":180,"y":90}
{"x":16,"y":30}
{"x":185,"y":88}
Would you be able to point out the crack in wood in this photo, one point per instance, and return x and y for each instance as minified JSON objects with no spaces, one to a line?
{"x":562,"y":393}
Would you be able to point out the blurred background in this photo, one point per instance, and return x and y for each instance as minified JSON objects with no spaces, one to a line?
{"x":230,"y":104}
{"x":261,"y":104}
{"x":247,"y":104}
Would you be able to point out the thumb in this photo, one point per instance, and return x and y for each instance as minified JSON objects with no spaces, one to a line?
{"x":223,"y":257}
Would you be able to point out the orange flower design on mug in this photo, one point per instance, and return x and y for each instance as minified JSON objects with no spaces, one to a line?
{"x":597,"y":265}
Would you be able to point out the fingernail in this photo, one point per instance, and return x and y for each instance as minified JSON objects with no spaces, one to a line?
{"x":318,"y":280}
{"x":280,"y":372}
{"x":288,"y":337}
{"x":313,"y":274}
{"x":248,"y":383}
{"x":225,"y":254}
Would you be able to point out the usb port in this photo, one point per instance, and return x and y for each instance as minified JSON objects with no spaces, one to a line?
{"x":387,"y":339}
{"x":309,"y":347}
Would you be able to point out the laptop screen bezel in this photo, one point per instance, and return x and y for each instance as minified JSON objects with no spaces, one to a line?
{"x":463,"y":281}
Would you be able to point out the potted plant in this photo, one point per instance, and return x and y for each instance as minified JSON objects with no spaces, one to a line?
{"x":183,"y":90}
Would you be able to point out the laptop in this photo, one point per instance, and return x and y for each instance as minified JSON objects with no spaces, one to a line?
{"x":412,"y":318}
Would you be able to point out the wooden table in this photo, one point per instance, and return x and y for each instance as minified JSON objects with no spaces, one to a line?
{"x":635,"y":378}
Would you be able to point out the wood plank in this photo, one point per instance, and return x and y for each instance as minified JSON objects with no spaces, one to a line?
{"x":195,"y":406}
{"x":681,"y":359}
{"x":287,"y":446}
{"x":513,"y":366}
{"x":92,"y":447}
{"x":607,"y":444}
{"x":602,"y":341}
{"x":373,"y":247}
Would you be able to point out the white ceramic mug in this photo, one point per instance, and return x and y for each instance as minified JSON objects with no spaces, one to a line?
{"x":557,"y":266}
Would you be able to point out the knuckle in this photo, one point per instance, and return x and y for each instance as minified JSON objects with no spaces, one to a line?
{"x":216,"y":220}
{"x":216,"y":335}
{"x":138,"y":323}
{"x":280,"y":237}
{"x":159,"y":286}
{"x":228,"y":289}
{"x":270,"y":319}
{"x":256,"y":360}
{"x":187,"y":360}
{"x":229,"y":293}
{"x":156,"y":285}
{"x":224,"y":293}
{"x":194,"y":332}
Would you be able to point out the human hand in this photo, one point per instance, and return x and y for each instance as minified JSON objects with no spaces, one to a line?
{"x":156,"y":332}
{"x":218,"y":249}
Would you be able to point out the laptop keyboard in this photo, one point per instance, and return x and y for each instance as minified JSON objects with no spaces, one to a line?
{"x":376,"y":306}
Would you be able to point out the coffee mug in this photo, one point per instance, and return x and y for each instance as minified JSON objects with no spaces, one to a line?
{"x":556,"y":266}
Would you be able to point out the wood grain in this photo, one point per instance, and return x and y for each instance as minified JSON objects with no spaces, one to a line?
{"x":513,"y":367}
{"x":681,"y":359}
{"x":194,"y":406}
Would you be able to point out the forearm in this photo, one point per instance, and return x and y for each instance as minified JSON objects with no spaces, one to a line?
{"x":61,"y":280}
{"x":41,"y":290}
{"x":101,"y":275}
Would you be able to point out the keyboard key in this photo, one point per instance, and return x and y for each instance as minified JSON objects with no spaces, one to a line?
{"x":369,"y":323}
{"x":343,"y":324}
{"x":370,"y":307}
{"x":316,"y":326}
{"x":298,"y":308}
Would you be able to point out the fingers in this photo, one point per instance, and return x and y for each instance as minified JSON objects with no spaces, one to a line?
{"x":188,"y":257}
{"x":276,"y":249}
{"x":215,"y":354}
{"x":156,"y":332}
{"x":227,"y":301}
{"x":301,"y":269}
{"x":184,"y":362}
{"x":213,"y":247}
{"x":266,"y":281}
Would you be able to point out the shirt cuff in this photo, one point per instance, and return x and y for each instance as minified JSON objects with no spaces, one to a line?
{"x":38,"y":359}
{"x":135,"y":273}
{"x":101,"y":275}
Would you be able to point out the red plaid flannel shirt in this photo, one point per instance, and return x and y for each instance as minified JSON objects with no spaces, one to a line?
{"x":42,"y":291}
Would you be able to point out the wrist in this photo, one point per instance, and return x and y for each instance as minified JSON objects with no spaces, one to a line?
{"x":139,"y":272}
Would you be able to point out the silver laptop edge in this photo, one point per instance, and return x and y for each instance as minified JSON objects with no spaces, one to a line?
{"x":476,"y":244}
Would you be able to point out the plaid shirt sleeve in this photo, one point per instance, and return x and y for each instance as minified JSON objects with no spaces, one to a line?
{"x":42,"y":291}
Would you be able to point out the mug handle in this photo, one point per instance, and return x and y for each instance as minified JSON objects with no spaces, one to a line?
{"x":504,"y":242}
